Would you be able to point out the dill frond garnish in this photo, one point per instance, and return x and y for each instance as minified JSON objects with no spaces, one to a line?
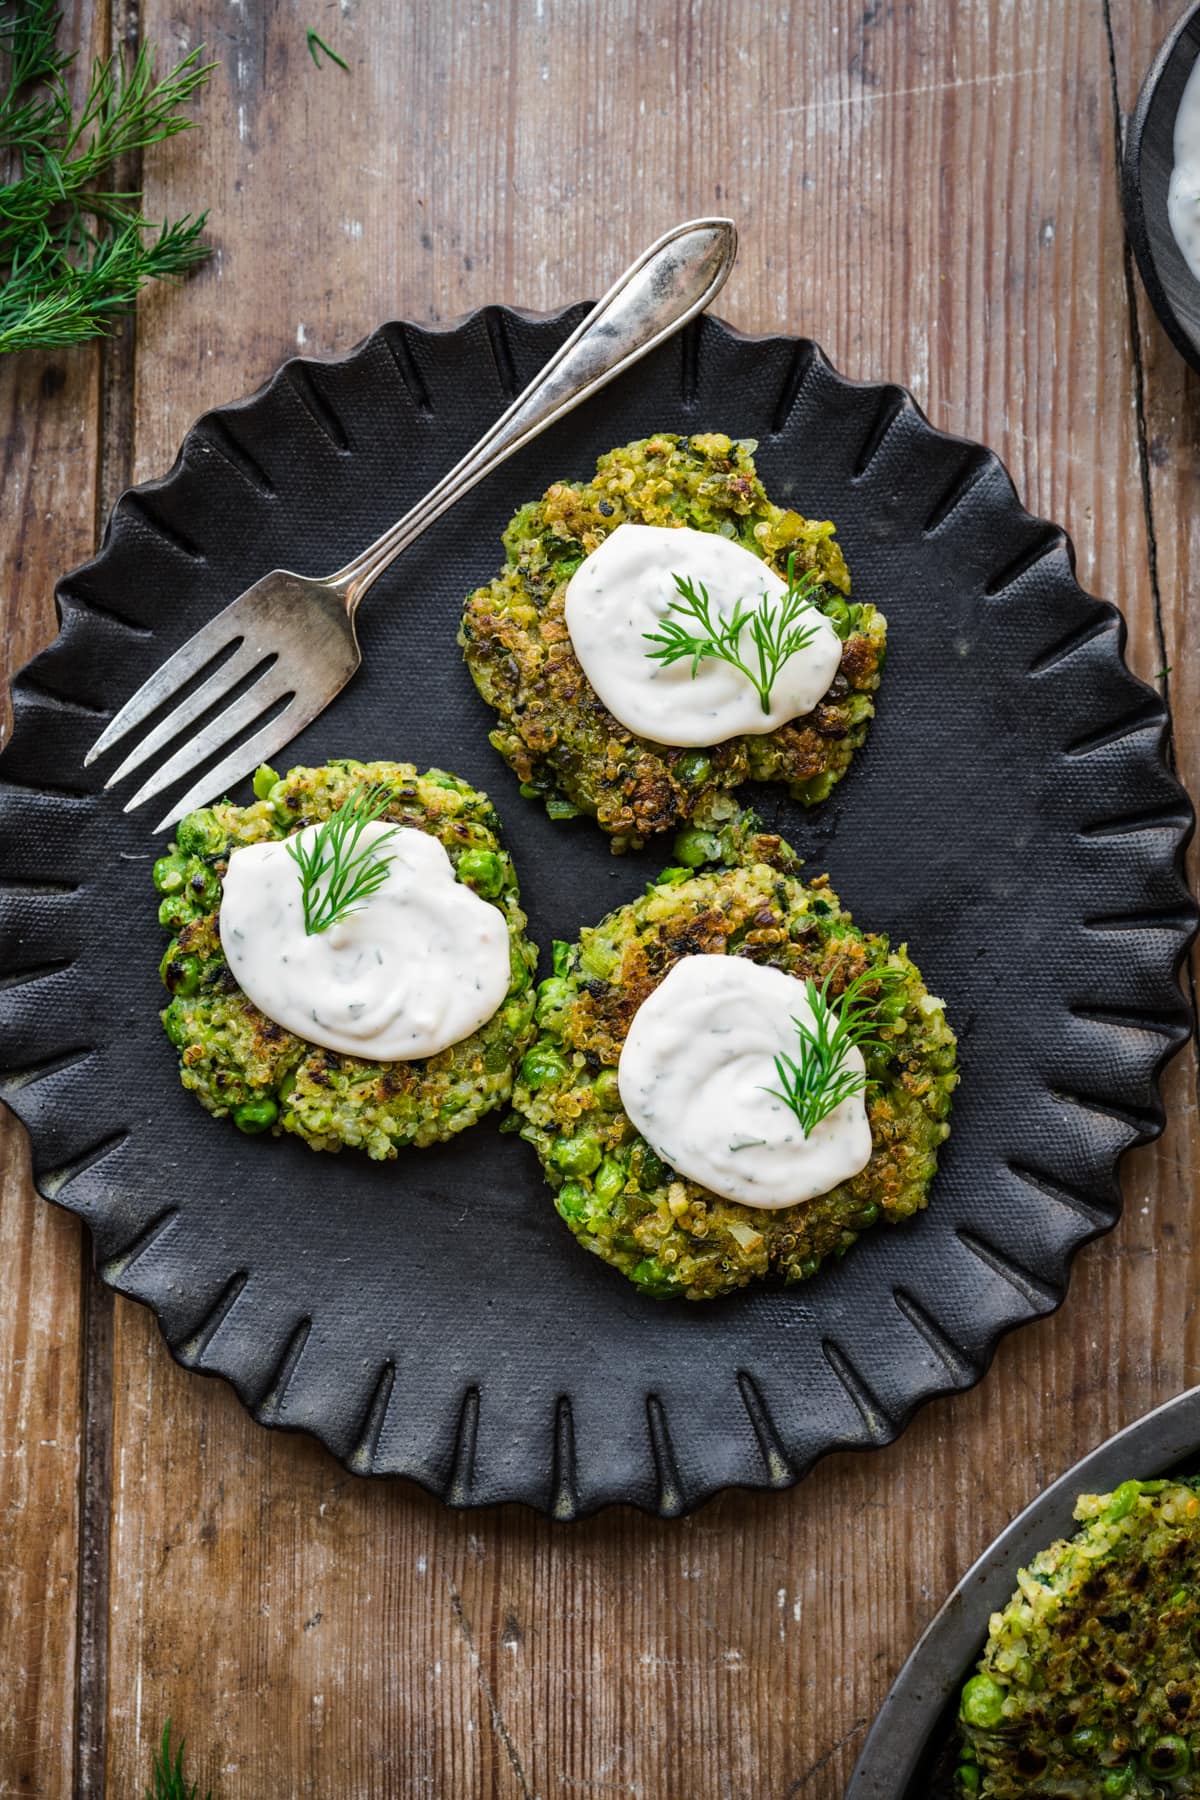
{"x":817,"y":1080}
{"x":73,"y":251}
{"x":338,"y":872}
{"x":775,"y":630}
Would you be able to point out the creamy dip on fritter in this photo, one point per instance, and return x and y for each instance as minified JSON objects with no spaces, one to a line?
{"x":1183,"y":192}
{"x":423,"y":963}
{"x":620,"y":595}
{"x":693,"y":1076}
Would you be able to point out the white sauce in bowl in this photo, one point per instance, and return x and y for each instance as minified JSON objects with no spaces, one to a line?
{"x":1183,"y":194}
{"x":424,"y":963}
{"x":699,"y":1053}
{"x":624,"y":590}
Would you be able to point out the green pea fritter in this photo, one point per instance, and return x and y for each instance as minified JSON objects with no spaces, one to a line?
{"x":1089,"y":1687}
{"x":554,"y":731}
{"x":671,"y":1236}
{"x":241,"y":1064}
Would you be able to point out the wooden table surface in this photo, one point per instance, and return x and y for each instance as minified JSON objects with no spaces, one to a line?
{"x":928,"y":187}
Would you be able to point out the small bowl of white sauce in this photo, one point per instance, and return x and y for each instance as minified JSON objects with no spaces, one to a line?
{"x":1162,"y":185}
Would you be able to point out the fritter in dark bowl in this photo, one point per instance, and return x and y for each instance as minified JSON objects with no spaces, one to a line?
{"x":1089,"y":1687}
{"x":243,"y":1065}
{"x":669,"y":1235}
{"x":554,"y":731}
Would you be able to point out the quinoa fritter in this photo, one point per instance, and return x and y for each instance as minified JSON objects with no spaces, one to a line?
{"x":1090,"y":1683}
{"x":671,"y":1236}
{"x":554,"y":731}
{"x":241,"y":1064}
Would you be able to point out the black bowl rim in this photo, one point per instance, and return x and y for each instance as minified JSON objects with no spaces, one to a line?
{"x":951,"y":1642}
{"x":1132,"y":197}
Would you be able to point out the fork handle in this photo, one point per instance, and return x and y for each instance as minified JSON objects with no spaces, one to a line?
{"x":669,"y":284}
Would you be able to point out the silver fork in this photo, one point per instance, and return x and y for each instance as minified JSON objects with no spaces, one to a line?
{"x":302,"y":627}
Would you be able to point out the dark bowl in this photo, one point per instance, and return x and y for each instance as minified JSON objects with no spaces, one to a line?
{"x":909,"y":1754}
{"x":1149,"y":157}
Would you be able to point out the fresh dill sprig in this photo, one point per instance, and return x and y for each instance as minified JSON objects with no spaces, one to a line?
{"x":774,"y":627}
{"x":316,"y":43}
{"x":338,"y":872}
{"x":816,"y":1082}
{"x":73,"y":251}
{"x":167,"y":1777}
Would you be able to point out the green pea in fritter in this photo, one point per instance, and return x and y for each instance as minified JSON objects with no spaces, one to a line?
{"x":243,"y":1065}
{"x":554,"y":731}
{"x":669,"y":1235}
{"x":1089,"y":1687}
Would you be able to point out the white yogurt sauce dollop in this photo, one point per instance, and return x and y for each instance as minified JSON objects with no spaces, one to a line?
{"x":624,"y":590}
{"x":424,"y":963}
{"x":1183,"y":193}
{"x":693,"y":1069}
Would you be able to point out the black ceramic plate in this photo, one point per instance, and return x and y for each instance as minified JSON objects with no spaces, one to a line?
{"x":1149,"y":157}
{"x":1012,"y":819}
{"x":909,"y":1754}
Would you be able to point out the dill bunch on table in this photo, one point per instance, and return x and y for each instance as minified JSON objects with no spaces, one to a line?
{"x":74,"y":251}
{"x":168,"y":1781}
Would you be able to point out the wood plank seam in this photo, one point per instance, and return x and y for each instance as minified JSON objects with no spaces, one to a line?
{"x":114,"y":451}
{"x":1143,"y":451}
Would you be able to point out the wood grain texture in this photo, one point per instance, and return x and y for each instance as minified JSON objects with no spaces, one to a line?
{"x":1169,"y":392}
{"x":40,"y":1430}
{"x":48,"y":473}
{"x":929,"y":190}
